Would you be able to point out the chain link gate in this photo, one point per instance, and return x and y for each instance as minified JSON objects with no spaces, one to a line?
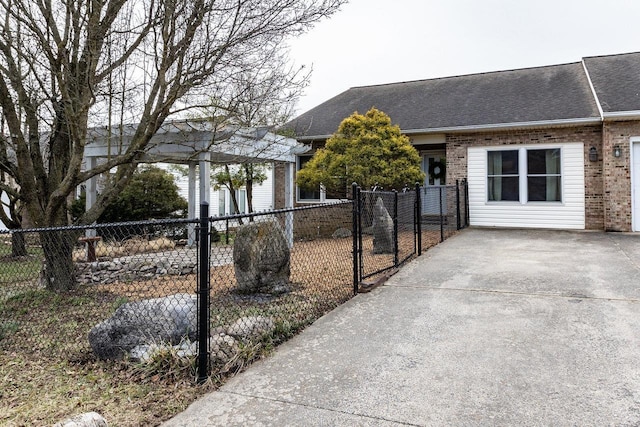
{"x":390,"y":227}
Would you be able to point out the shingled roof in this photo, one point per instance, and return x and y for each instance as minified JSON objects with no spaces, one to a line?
{"x":616,"y":80}
{"x":552,"y":94}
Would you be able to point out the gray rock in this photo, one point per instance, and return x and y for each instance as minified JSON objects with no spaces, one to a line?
{"x":166,"y":320}
{"x":145,"y":352}
{"x":251,"y":327}
{"x":341,"y":233}
{"x":222,"y":348}
{"x":261,"y":258}
{"x":88,"y":419}
{"x":382,"y":229}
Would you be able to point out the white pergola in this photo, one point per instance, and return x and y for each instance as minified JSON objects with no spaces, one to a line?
{"x":197,"y":143}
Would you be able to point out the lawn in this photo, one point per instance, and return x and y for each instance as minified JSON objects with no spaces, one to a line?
{"x":47,"y":369}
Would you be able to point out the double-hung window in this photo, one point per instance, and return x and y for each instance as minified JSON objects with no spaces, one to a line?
{"x":524,"y":175}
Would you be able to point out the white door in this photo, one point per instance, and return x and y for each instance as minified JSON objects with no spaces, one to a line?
{"x":433,"y":165}
{"x":635,"y":186}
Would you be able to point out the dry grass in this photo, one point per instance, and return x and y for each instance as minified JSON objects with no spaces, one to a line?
{"x":38,"y":389}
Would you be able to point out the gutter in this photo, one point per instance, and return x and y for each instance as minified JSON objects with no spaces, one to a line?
{"x":622,"y":115}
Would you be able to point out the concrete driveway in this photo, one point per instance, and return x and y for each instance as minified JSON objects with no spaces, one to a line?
{"x":491,"y":327}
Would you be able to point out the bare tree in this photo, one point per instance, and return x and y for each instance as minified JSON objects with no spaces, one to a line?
{"x":68,"y":65}
{"x":263,"y":96}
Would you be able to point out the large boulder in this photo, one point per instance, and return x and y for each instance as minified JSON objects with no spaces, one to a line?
{"x":382,"y":229}
{"x":167,"y":320}
{"x":261,"y":258}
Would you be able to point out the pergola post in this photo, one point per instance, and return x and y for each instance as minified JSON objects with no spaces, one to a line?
{"x":91,"y":192}
{"x":289,"y":200}
{"x":191,"y":210}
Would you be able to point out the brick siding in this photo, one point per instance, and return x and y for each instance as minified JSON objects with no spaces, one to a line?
{"x":590,"y":136}
{"x":617,"y":174}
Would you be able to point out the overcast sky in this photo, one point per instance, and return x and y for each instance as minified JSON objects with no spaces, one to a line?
{"x":383,"y":41}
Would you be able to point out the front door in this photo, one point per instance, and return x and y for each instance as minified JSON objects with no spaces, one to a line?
{"x":433,"y":165}
{"x":635,"y":186}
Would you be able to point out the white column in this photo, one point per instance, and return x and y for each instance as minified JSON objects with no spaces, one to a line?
{"x":191,"y":234}
{"x":205,"y":179}
{"x":91,"y":191}
{"x":289,"y":191}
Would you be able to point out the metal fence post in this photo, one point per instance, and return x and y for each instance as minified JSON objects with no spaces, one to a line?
{"x":355,"y":232}
{"x":418,"y":220}
{"x":466,"y":202}
{"x":441,"y":216}
{"x":395,"y":229}
{"x":458,"y":219}
{"x":203,"y":294}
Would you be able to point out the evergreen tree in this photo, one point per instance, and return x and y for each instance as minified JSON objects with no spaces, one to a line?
{"x":368,"y":150}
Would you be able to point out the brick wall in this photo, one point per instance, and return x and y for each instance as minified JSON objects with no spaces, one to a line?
{"x":617,"y":174}
{"x":591,"y":136}
{"x":322,"y":222}
{"x":278,"y":177}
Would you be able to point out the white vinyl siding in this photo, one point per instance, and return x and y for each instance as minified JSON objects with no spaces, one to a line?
{"x":567,"y":214}
{"x":262,"y":194}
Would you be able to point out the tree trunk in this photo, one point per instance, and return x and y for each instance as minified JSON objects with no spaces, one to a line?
{"x":232,"y":193}
{"x":18,"y":245}
{"x":58,"y":271}
{"x":249,"y":189}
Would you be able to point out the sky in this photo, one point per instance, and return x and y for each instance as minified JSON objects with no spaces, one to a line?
{"x":384,"y":41}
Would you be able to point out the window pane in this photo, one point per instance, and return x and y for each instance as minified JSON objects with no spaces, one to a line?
{"x":543,"y":162}
{"x":306,"y":194}
{"x":242,"y":195}
{"x":544,"y":189}
{"x":221,"y":201}
{"x":504,"y":188}
{"x":503,"y":162}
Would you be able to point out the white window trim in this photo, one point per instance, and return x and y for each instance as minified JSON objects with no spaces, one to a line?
{"x":523,"y":191}
{"x":632,"y":141}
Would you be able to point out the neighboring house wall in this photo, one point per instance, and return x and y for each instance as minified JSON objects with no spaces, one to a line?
{"x":262,"y":194}
{"x":459,"y":145}
{"x":617,"y":174}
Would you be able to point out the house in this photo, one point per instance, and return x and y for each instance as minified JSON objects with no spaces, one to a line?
{"x":546,"y":147}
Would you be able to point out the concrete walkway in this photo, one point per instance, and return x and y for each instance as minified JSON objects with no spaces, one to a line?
{"x":491,"y":327}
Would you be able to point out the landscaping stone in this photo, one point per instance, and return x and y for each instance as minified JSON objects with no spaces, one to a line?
{"x":341,"y":233}
{"x":251,"y":327}
{"x":222,"y":348}
{"x":382,"y":229}
{"x":261,"y":258}
{"x":145,"y":352}
{"x":107,"y":272}
{"x":88,"y":419}
{"x":160,"y":320}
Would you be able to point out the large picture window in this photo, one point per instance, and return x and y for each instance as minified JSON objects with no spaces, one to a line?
{"x":524,"y":175}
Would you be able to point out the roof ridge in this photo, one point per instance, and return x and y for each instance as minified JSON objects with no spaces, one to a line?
{"x":611,"y":55}
{"x":467,"y":75}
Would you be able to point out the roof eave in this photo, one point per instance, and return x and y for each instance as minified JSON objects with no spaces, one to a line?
{"x":508,"y":126}
{"x":488,"y":127}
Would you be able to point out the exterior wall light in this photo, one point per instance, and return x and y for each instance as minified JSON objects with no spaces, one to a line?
{"x":593,"y":154}
{"x":617,"y":151}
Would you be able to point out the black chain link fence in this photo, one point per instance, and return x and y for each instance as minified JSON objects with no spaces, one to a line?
{"x":393,"y":227}
{"x":443,"y":210}
{"x":130,"y":290}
